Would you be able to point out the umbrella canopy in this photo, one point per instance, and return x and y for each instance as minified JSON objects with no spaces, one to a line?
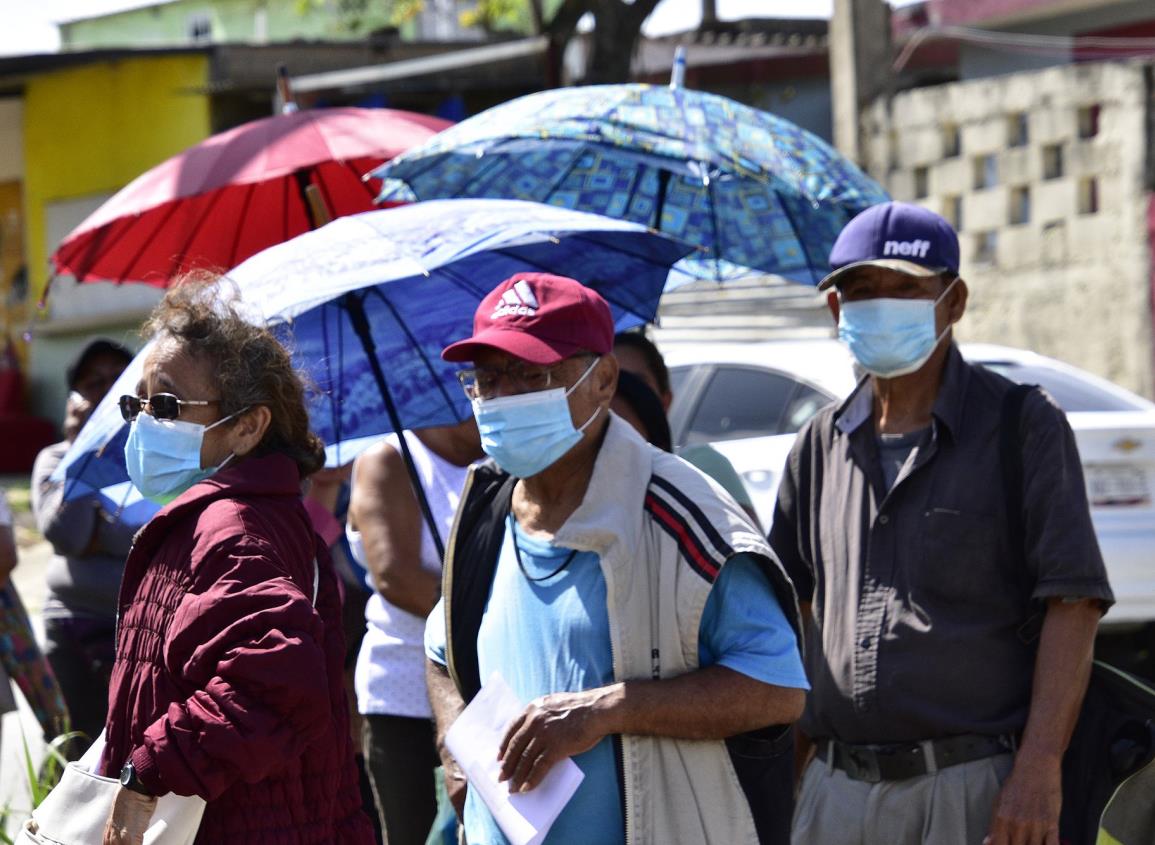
{"x":756,"y":191}
{"x":239,"y":192}
{"x":367,"y":303}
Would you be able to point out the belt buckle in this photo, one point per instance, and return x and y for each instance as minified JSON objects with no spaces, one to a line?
{"x":865,"y":765}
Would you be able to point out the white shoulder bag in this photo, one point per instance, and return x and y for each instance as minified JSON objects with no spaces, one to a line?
{"x":76,"y":811}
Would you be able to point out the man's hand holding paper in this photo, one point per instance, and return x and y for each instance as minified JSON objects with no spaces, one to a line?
{"x":481,"y":734}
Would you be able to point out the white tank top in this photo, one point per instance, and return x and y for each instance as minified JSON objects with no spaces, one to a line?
{"x":390,"y":675}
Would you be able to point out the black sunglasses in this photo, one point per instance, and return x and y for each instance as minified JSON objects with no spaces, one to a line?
{"x":163,"y":406}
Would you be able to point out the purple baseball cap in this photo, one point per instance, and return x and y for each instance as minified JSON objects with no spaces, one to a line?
{"x":898,"y":236}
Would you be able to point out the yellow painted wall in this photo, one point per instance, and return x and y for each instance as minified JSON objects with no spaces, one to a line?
{"x":95,"y":128}
{"x":13,"y":308}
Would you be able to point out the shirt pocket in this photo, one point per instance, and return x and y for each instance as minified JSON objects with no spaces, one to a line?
{"x":958,"y":554}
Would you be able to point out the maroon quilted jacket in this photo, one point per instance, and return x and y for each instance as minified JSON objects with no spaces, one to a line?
{"x":228,"y":681}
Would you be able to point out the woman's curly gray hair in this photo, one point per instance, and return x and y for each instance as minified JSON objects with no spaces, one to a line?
{"x":250,"y":365}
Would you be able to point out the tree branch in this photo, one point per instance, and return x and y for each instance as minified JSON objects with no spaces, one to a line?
{"x":565,"y":20}
{"x":538,"y":16}
{"x":639,"y":11}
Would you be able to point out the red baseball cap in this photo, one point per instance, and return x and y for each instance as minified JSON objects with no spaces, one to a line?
{"x":540,"y":318}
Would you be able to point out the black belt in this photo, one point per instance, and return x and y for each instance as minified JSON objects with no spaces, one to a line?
{"x":874,"y":763}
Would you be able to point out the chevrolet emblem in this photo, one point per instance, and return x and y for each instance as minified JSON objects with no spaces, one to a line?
{"x":1126,"y":445}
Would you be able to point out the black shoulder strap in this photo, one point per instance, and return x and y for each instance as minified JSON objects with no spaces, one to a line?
{"x":475,"y":549}
{"x":1011,"y":459}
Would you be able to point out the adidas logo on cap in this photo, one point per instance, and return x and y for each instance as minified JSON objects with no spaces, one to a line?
{"x":518,"y":301}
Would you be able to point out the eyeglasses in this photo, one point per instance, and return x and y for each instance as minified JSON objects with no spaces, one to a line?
{"x":163,"y":406}
{"x":483,"y":382}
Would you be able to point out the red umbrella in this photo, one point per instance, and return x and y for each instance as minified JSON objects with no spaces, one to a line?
{"x":239,"y":192}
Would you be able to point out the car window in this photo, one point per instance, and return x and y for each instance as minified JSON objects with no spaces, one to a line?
{"x":678,"y":376}
{"x":740,"y":402}
{"x":803,"y":405}
{"x":1071,"y":392}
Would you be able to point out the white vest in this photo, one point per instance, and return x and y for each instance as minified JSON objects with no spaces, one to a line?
{"x":676,"y":790}
{"x":390,"y":674}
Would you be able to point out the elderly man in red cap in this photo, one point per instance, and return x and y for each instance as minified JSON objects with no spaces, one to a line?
{"x":615,"y":588}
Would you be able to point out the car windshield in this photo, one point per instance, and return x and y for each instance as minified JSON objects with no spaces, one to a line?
{"x":1071,"y":392}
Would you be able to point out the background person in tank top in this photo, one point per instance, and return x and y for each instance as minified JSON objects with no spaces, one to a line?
{"x":389,"y":537}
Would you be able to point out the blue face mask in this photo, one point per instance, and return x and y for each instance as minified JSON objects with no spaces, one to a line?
{"x":529,"y":432}
{"x":163,"y":457}
{"x":891,"y":337}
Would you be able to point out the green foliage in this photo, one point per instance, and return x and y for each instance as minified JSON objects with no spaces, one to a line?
{"x":351,"y":15}
{"x":497,"y":14}
{"x":403,"y":11}
{"x":490,"y":15}
{"x":18,"y":492}
{"x":40,"y":781}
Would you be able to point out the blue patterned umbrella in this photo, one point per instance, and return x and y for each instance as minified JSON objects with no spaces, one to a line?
{"x":367,"y":303}
{"x":753,"y":191}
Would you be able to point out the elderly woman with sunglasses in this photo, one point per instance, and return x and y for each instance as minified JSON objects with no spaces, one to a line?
{"x":228,"y":674}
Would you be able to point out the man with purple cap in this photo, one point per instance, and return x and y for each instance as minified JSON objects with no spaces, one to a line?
{"x":951,"y":608}
{"x":618,"y":591}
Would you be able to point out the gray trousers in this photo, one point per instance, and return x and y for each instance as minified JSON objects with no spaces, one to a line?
{"x":950,"y":807}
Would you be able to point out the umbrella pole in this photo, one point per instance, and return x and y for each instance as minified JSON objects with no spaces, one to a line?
{"x":356,"y":309}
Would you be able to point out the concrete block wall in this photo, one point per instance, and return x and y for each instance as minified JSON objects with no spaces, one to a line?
{"x":1067,"y":281}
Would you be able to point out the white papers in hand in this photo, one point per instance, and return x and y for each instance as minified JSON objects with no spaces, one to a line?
{"x":474,"y":740}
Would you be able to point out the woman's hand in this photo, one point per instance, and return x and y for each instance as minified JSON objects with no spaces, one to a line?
{"x":129,"y":818}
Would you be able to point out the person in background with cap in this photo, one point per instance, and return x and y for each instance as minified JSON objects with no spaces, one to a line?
{"x":936,"y":715}
{"x":90,"y":547}
{"x":627,"y":601}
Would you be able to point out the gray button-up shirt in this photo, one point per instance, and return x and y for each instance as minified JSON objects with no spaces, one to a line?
{"x":915,"y":595}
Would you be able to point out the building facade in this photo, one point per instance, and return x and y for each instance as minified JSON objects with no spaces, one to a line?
{"x":78,"y":132}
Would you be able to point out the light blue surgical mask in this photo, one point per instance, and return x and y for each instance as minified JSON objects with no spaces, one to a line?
{"x":891,"y":337}
{"x":529,"y":432}
{"x":163,"y":457}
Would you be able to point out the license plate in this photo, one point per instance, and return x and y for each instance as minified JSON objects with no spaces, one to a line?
{"x":1117,"y":486}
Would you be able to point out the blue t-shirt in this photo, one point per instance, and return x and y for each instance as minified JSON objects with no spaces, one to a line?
{"x":552,"y":635}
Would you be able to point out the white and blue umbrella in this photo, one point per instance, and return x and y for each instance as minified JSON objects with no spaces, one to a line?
{"x":367,"y":303}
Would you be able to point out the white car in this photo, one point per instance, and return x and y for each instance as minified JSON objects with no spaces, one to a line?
{"x":749,"y":400}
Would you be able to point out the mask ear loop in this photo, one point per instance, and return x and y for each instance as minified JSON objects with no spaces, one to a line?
{"x":942,"y":295}
{"x":231,"y":455}
{"x":584,"y":375}
{"x":593,"y":417}
{"x":939,"y":299}
{"x":223,"y":420}
{"x":598,"y":409}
